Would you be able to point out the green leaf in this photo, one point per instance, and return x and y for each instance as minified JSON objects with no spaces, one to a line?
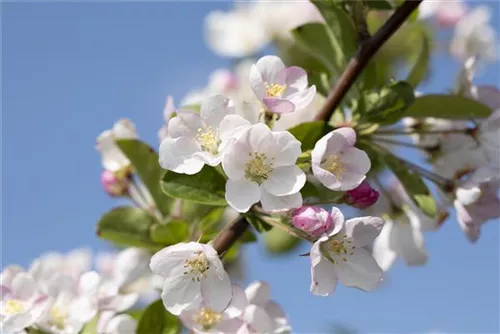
{"x":145,"y":162}
{"x":211,"y":218}
{"x":378,"y":4}
{"x":447,"y":106}
{"x":205,"y":187}
{"x":128,"y":226}
{"x":192,"y":211}
{"x":89,"y":328}
{"x":309,"y":133}
{"x":259,"y":224}
{"x":413,"y":184}
{"x":155,"y":319}
{"x":421,"y":67}
{"x":191,"y":107}
{"x":342,"y":27}
{"x":278,"y":242}
{"x":388,"y":105}
{"x":248,"y":237}
{"x":171,"y":233}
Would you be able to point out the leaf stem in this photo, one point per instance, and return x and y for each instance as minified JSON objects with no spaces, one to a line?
{"x":365,"y":52}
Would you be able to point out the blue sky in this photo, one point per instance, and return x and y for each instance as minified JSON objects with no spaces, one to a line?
{"x":69,"y":70}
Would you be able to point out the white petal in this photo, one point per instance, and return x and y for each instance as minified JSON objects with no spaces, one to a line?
{"x":180,"y":293}
{"x":363,"y":230}
{"x":360,"y":270}
{"x":260,"y":138}
{"x":356,"y":160}
{"x":124,"y":129}
{"x":257,"y":319}
{"x":214,"y":109}
{"x":323,"y":276}
{"x":303,"y":99}
{"x":296,"y":78}
{"x":278,"y":317}
{"x":231,"y":126}
{"x":17,"y":322}
{"x":285,"y":180}
{"x":287,"y":148}
{"x":257,"y":83}
{"x":468,"y":196}
{"x":208,"y":158}
{"x":23,"y":286}
{"x":111,"y":156}
{"x":238,"y":303}
{"x":170,"y":260}
{"x":272,"y":69}
{"x":178,"y":155}
{"x":236,"y":156}
{"x":338,"y":221}
{"x":408,"y":243}
{"x":280,"y":203}
{"x":319,"y":149}
{"x":185,"y":124}
{"x":216,"y":292}
{"x":258,"y":293}
{"x":326,"y":178}
{"x":348,"y":133}
{"x":122,"y":324}
{"x":119,"y":302}
{"x":89,"y":283}
{"x":83,"y":309}
{"x":384,"y":255}
{"x":131,"y":264}
{"x":242,"y":194}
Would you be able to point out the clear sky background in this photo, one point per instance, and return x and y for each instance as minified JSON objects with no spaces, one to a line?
{"x":69,"y":70}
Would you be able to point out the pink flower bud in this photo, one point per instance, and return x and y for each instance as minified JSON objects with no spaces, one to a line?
{"x":114,"y":184}
{"x":362,"y":196}
{"x":312,"y":219}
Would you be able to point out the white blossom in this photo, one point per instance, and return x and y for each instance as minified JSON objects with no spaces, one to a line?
{"x":111,"y":156}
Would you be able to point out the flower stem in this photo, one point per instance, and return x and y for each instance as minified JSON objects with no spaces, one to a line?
{"x":229,"y":235}
{"x":365,"y":52}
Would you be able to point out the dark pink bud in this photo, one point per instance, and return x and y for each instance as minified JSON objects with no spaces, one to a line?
{"x":114,"y":184}
{"x":362,"y":196}
{"x":312,"y":219}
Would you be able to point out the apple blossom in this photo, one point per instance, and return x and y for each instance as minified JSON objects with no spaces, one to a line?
{"x":168,"y":112}
{"x":340,"y":255}
{"x":22,"y":302}
{"x":114,"y":184}
{"x":336,"y":163}
{"x":477,"y":201}
{"x":489,"y":137}
{"x":193,"y":273}
{"x":446,"y":13}
{"x":312,"y":219}
{"x":112,"y":158}
{"x":121,"y":324}
{"x":260,"y":166}
{"x":362,"y":196}
{"x":281,"y":89}
{"x":194,"y":139}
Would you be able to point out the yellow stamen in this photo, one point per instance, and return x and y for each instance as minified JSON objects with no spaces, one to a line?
{"x":334,"y":165}
{"x":197,"y":266}
{"x":207,"y":318}
{"x":258,"y":168}
{"x":13,"y":306}
{"x":275,"y":90}
{"x":208,"y":139}
{"x":58,"y":317}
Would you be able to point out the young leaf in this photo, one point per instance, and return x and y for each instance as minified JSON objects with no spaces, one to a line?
{"x":413,"y":184}
{"x":259,"y":224}
{"x":205,"y":187}
{"x":155,"y":319}
{"x":421,"y":67}
{"x":145,"y":162}
{"x":211,"y":218}
{"x":378,"y":4}
{"x":171,"y":233}
{"x":447,"y":106}
{"x":309,"y":133}
{"x":279,"y":242}
{"x":128,"y":226}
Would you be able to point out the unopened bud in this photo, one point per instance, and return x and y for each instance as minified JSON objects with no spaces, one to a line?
{"x":115,"y":184}
{"x":313,"y":220}
{"x":362,"y":196}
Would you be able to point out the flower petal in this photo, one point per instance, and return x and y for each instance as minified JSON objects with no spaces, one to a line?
{"x":180,"y":293}
{"x":326,"y":178}
{"x":323,"y":277}
{"x":278,"y":105}
{"x":231,"y":126}
{"x":272,"y":69}
{"x":295,"y":78}
{"x":363,"y":230}
{"x":286,"y":147}
{"x":122,"y":324}
{"x":356,"y":160}
{"x":170,"y":260}
{"x":338,"y":221}
{"x":236,"y":156}
{"x":178,"y":155}
{"x":258,"y":320}
{"x":360,"y":270}
{"x":285,"y":180}
{"x":280,"y":203}
{"x":384,"y":255}
{"x":215,"y":108}
{"x":184,"y":124}
{"x":130,"y":265}
{"x":238,"y":303}
{"x":257,"y":83}
{"x":258,"y":293}
{"x":242,"y":194}
{"x":23,"y":286}
{"x":302,"y":100}
{"x":408,"y":243}
{"x":348,"y":133}
{"x":216,"y":292}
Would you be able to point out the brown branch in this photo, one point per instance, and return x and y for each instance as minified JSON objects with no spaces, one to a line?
{"x":229,"y":234}
{"x":363,"y":56}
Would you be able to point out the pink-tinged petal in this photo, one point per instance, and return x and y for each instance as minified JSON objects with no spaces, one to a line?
{"x":215,"y":108}
{"x":356,"y":160}
{"x":169,"y":108}
{"x":216,"y":292}
{"x":408,"y":243}
{"x":170,"y":260}
{"x":338,"y":221}
{"x":351,"y":180}
{"x":272,"y":69}
{"x":257,"y":83}
{"x":363,"y":230}
{"x":295,"y":78}
{"x":360,"y":271}
{"x":180,"y":293}
{"x":323,"y":275}
{"x":469,"y":226}
{"x":230,"y":326}
{"x":238,"y":303}
{"x":185,"y":124}
{"x":278,"y":105}
{"x":336,"y":144}
{"x":242,"y":194}
{"x":257,"y":319}
{"x":319,"y":150}
{"x":285,"y":180}
{"x":177,"y":155}
{"x":287,"y":148}
{"x":23,"y":286}
{"x":280,"y":203}
{"x":258,"y":293}
{"x":103,"y":321}
{"x":384,"y":255}
{"x":348,"y":133}
{"x":302,"y":100}
{"x":326,"y":178}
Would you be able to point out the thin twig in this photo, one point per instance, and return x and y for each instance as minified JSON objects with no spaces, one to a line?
{"x":229,"y":234}
{"x":405,"y":144}
{"x":363,"y":56}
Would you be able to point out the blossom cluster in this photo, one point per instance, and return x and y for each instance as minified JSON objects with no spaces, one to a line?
{"x":60,"y":294}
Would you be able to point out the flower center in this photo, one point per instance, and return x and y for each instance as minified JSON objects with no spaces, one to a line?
{"x":275,"y":90}
{"x":58,"y":317}
{"x":197,"y":266}
{"x":334,"y":165}
{"x":340,"y":246}
{"x":208,"y":139}
{"x":258,"y":168}
{"x":207,"y":318}
{"x":13,"y":306}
